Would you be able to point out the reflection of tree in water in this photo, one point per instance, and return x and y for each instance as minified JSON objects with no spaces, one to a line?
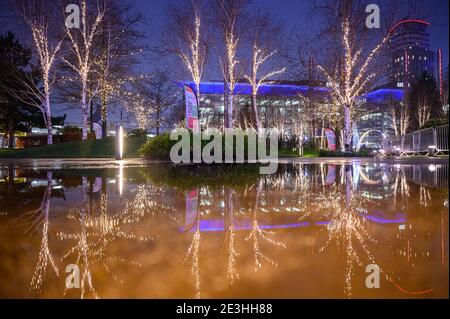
{"x":347,"y":229}
{"x":344,"y":206}
{"x":193,"y":253}
{"x":97,"y":231}
{"x":401,"y":187}
{"x":424,"y":196}
{"x":230,"y":237}
{"x":257,"y":232}
{"x":339,"y":203}
{"x":148,"y":200}
{"x":40,"y":218}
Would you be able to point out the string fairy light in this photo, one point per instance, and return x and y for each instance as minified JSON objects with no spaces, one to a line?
{"x":348,"y":83}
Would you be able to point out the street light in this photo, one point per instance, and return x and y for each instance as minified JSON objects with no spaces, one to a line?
{"x":119,"y":139}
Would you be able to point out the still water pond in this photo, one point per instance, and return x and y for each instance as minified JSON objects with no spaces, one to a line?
{"x":308,"y":231}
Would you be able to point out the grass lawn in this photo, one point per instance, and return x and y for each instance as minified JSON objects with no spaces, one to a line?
{"x":88,"y":149}
{"x":291,"y":153}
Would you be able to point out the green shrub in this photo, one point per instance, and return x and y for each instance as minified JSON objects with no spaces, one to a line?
{"x":157,"y":147}
{"x":71,"y":133}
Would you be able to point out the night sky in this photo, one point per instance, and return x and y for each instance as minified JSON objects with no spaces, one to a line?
{"x":296,"y":15}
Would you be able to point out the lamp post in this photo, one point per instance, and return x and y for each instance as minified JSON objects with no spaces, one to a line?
{"x":119,"y":139}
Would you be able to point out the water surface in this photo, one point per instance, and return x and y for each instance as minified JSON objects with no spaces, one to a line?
{"x":308,"y":231}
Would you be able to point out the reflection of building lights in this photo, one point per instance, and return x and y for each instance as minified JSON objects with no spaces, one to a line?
{"x":432,"y":168}
{"x":119,"y":142}
{"x":432,"y":149}
{"x":119,"y":182}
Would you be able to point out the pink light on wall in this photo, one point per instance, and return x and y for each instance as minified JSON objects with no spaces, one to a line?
{"x":440,"y":76}
{"x":408,"y":21}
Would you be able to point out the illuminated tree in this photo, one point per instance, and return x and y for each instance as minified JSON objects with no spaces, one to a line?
{"x":262,"y":51}
{"x":350,"y":73}
{"x":400,"y":119}
{"x":150,"y":99}
{"x":230,"y":16}
{"x":185,"y":34}
{"x":424,"y":100}
{"x":117,"y":48}
{"x":35,"y":14}
{"x":81,"y":46}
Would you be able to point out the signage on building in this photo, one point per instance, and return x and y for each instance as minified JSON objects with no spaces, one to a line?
{"x":191,"y":109}
{"x":331,"y":138}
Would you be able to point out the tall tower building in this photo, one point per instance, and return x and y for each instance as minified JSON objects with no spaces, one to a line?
{"x":409,"y":47}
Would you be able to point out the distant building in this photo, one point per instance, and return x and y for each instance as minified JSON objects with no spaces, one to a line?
{"x":410,"y":52}
{"x":376,"y":123}
{"x":281,"y":105}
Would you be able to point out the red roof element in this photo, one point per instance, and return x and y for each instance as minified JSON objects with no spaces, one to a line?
{"x":408,"y":21}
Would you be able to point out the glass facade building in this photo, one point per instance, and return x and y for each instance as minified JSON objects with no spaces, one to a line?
{"x":410,"y":52}
{"x":282,"y":104}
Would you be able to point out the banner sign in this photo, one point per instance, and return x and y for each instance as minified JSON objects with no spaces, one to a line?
{"x":191,"y":109}
{"x":191,"y":209}
{"x":331,"y":175}
{"x":331,"y":138}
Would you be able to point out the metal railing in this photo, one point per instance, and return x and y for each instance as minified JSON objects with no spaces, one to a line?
{"x":433,"y":176}
{"x":429,"y":141}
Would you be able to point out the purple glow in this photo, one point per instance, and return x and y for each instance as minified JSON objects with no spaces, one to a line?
{"x":217,"y":225}
{"x":217,"y":88}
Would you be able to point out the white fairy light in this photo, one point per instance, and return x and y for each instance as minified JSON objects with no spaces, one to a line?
{"x":83,"y":57}
{"x":194,"y":59}
{"x":258,"y":59}
{"x":348,"y":84}
{"x":193,"y":253}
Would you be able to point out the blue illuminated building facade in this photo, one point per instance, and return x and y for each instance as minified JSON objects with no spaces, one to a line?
{"x":281,"y":105}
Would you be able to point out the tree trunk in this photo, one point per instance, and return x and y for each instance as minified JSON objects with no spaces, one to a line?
{"x":104,"y":108}
{"x":230,"y":111}
{"x":104,"y":128}
{"x":84,"y":113}
{"x":347,"y":129}
{"x":348,"y":185}
{"x":11,"y":133}
{"x":198,"y":107}
{"x":255,"y":111}
{"x":157,"y":121}
{"x":48,"y":115}
{"x":300,"y":141}
{"x":10,"y":178}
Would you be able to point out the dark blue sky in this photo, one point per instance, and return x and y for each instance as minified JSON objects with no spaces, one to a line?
{"x":295,"y":14}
